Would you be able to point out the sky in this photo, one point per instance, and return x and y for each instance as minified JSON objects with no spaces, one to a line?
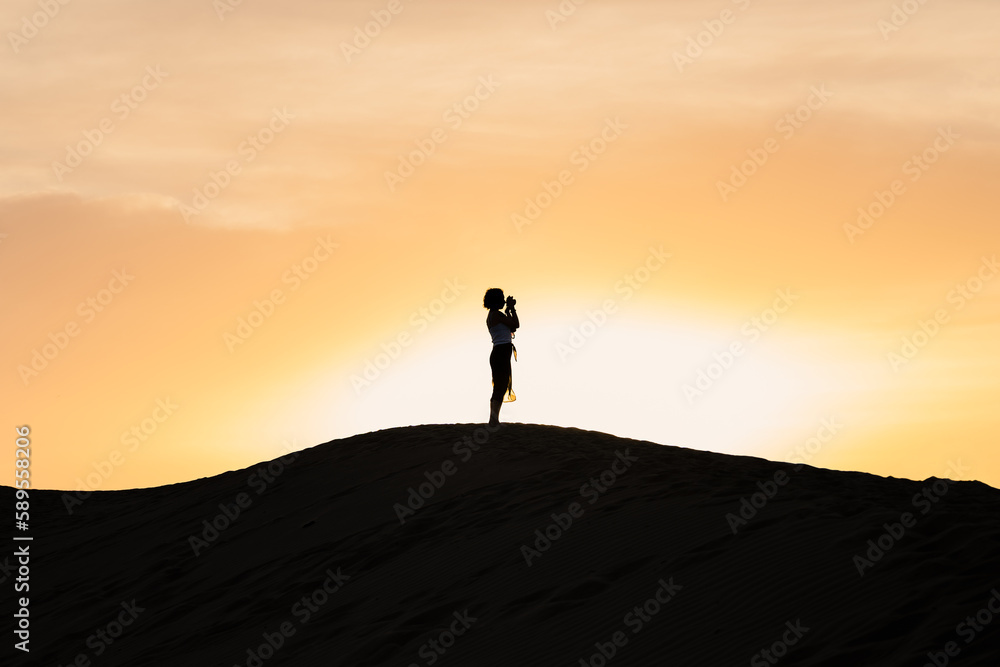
{"x":756,"y":227}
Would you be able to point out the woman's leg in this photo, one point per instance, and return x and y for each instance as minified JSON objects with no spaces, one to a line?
{"x":500,"y":368}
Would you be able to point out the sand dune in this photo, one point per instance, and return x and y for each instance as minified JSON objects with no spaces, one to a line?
{"x":540,"y":546}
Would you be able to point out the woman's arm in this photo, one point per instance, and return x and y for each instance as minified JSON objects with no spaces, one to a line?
{"x":510,"y":320}
{"x":514,"y":322}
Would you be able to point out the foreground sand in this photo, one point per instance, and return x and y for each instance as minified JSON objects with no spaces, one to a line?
{"x":651,"y":562}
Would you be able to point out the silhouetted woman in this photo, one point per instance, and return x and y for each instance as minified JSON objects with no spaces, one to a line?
{"x":502,"y":327}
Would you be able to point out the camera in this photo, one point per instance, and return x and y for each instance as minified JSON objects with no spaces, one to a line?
{"x":511,"y":301}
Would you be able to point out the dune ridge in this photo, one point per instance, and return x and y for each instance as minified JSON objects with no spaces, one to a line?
{"x":533,"y":545}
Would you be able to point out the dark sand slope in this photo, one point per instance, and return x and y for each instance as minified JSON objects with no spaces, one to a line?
{"x":787,"y":582}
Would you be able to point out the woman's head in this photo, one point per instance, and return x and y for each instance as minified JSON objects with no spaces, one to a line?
{"x":493,"y":298}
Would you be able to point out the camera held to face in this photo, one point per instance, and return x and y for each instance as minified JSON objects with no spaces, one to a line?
{"x":510,"y":302}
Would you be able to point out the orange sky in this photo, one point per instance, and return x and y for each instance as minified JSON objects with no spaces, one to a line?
{"x":647,"y":178}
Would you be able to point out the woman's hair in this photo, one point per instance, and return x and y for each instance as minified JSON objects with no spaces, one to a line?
{"x":493,"y":298}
